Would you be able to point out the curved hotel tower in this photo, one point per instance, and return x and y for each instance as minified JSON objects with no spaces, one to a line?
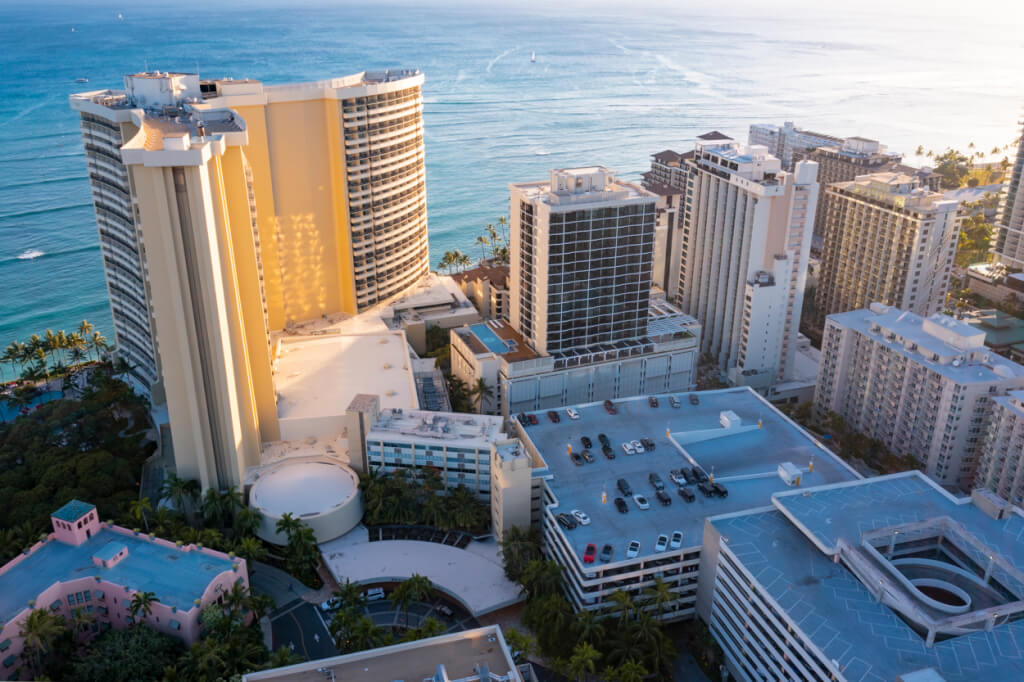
{"x":228,"y":210}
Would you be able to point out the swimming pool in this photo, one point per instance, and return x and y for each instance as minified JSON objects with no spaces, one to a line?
{"x":489,"y":338}
{"x":9,"y":412}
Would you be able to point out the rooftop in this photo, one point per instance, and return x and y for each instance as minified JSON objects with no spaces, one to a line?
{"x":1001,"y":329}
{"x":787,"y":550}
{"x":73,"y":510}
{"x":745,"y":459}
{"x":303,"y":488}
{"x":959,"y":347}
{"x":317,"y":376}
{"x":714,"y":135}
{"x":176,"y":576}
{"x":451,"y":428}
{"x":460,"y":653}
{"x":497,"y":337}
{"x":569,"y":188}
{"x":495,"y":274}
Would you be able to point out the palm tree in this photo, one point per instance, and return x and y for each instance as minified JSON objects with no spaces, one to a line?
{"x":630,"y":671}
{"x":622,"y":605}
{"x":251,"y":549}
{"x":218,"y":507}
{"x":518,"y":547}
{"x":138,"y":509}
{"x":237,"y":599}
{"x":589,"y":628}
{"x":541,"y":578}
{"x":179,"y":490}
{"x":483,"y":243}
{"x":142,"y":602}
{"x":247,"y":521}
{"x":483,"y":391}
{"x":414,"y":589}
{"x":350,"y":596}
{"x":260,"y":604}
{"x":446,"y":261}
{"x":583,"y":662}
{"x":463,"y":261}
{"x":85,"y":329}
{"x":81,"y":620}
{"x":434,"y":512}
{"x":659,"y":595}
{"x":50,"y":344}
{"x":288,"y":525}
{"x":39,"y":631}
{"x":98,"y":343}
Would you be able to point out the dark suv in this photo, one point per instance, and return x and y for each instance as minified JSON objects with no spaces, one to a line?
{"x":663,"y":497}
{"x":609,"y":406}
{"x":656,"y":481}
{"x":567,"y":521}
{"x":587,"y":443}
{"x":652,"y":401}
{"x":648,"y":444}
{"x":623,"y":486}
{"x":720,"y":490}
{"x":686,"y":494}
{"x":620,"y":504}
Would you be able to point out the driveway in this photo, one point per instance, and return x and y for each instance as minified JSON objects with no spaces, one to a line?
{"x":299,"y":627}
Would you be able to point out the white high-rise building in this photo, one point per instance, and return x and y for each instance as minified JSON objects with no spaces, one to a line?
{"x":746,"y":238}
{"x":1001,"y":465}
{"x":1009,"y":246}
{"x":921,"y":386}
{"x":783,"y":140}
{"x":889,"y":240}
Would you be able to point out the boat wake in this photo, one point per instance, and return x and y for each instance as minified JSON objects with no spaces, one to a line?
{"x":31,"y":254}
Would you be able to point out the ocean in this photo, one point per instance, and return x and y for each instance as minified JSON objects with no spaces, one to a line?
{"x":611,"y":85}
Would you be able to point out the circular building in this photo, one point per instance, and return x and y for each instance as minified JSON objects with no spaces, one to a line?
{"x":324,"y":495}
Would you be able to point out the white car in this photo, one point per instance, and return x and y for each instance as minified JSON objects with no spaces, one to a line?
{"x":633,"y":549}
{"x":572,"y":412}
{"x":677,"y":540}
{"x":637,"y":446}
{"x":677,"y":477}
{"x":641,"y":501}
{"x":628,"y":449}
{"x":662,"y":544}
{"x":581,"y":517}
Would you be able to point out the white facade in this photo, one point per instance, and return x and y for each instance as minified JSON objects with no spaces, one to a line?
{"x":1001,"y":465}
{"x":886,"y":240}
{"x":1009,"y":246}
{"x":783,"y":140}
{"x":746,"y":228}
{"x":921,"y":386}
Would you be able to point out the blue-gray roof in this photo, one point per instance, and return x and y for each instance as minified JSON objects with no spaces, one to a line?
{"x":73,"y":510}
{"x":176,"y":577}
{"x":109,"y":550}
{"x":784,"y":550}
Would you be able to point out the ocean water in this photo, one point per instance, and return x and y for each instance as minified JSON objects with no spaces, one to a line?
{"x":612,"y":84}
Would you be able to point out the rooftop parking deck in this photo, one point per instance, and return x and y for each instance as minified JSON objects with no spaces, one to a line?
{"x":744,"y":458}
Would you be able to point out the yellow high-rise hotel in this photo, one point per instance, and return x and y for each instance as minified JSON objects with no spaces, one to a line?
{"x":228,"y":209}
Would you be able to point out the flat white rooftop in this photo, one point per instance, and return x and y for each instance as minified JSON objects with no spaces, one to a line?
{"x":451,"y":428}
{"x":317,"y":376}
{"x":304,"y":488}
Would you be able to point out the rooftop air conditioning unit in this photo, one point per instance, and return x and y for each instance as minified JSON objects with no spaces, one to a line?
{"x":790,"y":474}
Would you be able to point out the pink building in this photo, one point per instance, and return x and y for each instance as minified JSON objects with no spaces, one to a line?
{"x":99,"y":567}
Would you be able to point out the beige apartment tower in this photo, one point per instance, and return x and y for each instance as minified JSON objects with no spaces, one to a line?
{"x":240,"y":210}
{"x":887,"y":240}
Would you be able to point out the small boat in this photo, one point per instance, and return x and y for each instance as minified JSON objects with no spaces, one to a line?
{"x":120,"y":17}
{"x":81,"y":80}
{"x":533,"y":56}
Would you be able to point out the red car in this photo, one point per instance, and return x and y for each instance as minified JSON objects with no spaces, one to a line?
{"x":588,"y":555}
{"x":532,"y":418}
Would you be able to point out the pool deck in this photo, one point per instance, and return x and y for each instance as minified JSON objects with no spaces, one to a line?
{"x":176,"y":576}
{"x":745,"y":460}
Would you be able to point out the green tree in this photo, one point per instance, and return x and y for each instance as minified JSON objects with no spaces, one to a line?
{"x":659,"y":595}
{"x":518,"y":547}
{"x":481,"y":392}
{"x":138,"y":509}
{"x":414,"y":589}
{"x":142,"y":603}
{"x":127,"y":656}
{"x":541,"y":579}
{"x":251,"y":549}
{"x":39,"y":631}
{"x":520,"y":644}
{"x":180,"y":491}
{"x":583,"y":662}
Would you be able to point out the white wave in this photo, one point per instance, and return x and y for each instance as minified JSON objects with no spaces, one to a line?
{"x":31,"y":254}
{"x":497,"y":59}
{"x":461,"y":77}
{"x":541,"y":152}
{"x":625,"y":50}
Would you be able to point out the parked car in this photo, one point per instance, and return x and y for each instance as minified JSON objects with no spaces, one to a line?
{"x":677,"y":540}
{"x":663,"y":497}
{"x":720,"y":490}
{"x":648,"y":444}
{"x":688,"y":475}
{"x":623,"y":486}
{"x":606,"y":553}
{"x":572,"y":412}
{"x":677,"y":477}
{"x":633,"y":549}
{"x":609,"y":407}
{"x":533,"y":419}
{"x":566,"y":521}
{"x":604,"y":439}
{"x":589,"y":553}
{"x":641,"y":501}
{"x":587,"y":456}
{"x":656,"y":482}
{"x":620,"y":504}
{"x":553,"y":416}
{"x":674,"y":401}
{"x":637,"y":446}
{"x":581,"y":516}
{"x":698,"y":474}
{"x":662,"y":544}
{"x":445,"y":610}
{"x":576,"y":458}
{"x":686,"y":494}
{"x":705,"y":488}
{"x":652,"y":401}
{"x":608,"y":452}
{"x":694,"y":400}
{"x":628,"y":449}
{"x":374,"y":594}
{"x":587,"y":443}
{"x":332,"y":604}
{"x":522,"y":418}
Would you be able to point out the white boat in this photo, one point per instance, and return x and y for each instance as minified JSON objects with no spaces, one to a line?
{"x":81,"y":80}
{"x":533,"y":56}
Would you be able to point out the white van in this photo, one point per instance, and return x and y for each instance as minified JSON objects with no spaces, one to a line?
{"x":572,"y":412}
{"x":374,"y":594}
